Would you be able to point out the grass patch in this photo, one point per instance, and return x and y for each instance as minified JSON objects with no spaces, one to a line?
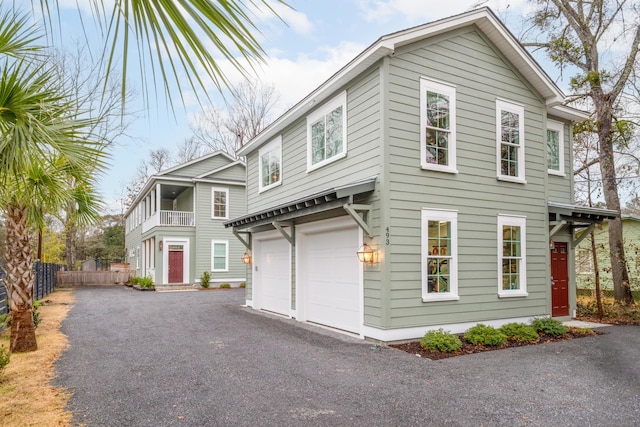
{"x":27,"y":397}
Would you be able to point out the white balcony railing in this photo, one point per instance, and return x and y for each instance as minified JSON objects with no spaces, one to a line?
{"x":169,"y":219}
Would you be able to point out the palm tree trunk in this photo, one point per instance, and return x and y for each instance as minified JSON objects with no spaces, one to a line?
{"x":19,"y":280}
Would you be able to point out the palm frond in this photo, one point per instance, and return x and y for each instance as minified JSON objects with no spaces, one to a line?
{"x":17,"y":36}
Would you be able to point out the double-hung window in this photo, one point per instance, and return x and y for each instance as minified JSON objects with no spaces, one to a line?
{"x":512,"y":256}
{"x":270,"y":173}
{"x":510,"y":141}
{"x":220,"y":203}
{"x":439,"y":255}
{"x":219,"y":255}
{"x":437,"y":126}
{"x":327,"y":133}
{"x":555,"y":148}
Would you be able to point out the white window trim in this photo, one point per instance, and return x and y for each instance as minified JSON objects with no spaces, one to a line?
{"x":450,"y":91}
{"x":226,"y":256}
{"x":440,"y":215}
{"x":511,"y":107}
{"x":340,"y":100}
{"x":276,"y":144}
{"x":226,"y":208}
{"x":518,"y":221}
{"x":558,"y":127}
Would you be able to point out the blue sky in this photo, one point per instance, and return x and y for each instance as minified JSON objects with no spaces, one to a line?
{"x":320,"y":37}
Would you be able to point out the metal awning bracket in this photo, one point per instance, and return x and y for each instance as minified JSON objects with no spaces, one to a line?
{"x":354,"y":209}
{"x":246,"y":243}
{"x":280,"y":227}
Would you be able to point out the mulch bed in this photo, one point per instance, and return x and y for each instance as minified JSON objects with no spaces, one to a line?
{"x":414,"y":347}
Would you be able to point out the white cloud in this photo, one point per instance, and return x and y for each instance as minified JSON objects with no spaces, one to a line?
{"x":296,"y":20}
{"x":415,"y":11}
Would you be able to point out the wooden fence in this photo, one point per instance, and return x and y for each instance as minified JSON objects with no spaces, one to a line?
{"x":80,"y":278}
{"x":4,"y":306}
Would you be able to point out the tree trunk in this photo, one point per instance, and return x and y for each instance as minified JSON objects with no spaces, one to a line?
{"x":596,"y":270}
{"x":622,"y":291}
{"x":19,"y":280}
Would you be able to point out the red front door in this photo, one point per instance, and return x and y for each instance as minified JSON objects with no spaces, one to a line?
{"x":175,"y":266}
{"x":559,"y":280}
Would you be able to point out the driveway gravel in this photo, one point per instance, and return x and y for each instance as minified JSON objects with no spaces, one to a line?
{"x":201,"y":359}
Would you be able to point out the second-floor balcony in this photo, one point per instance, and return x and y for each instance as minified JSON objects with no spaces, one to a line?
{"x":169,"y":219}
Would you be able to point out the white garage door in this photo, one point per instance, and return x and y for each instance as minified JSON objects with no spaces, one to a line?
{"x":273,"y":283}
{"x":331,"y":278}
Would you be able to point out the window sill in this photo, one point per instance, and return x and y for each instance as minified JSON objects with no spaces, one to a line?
{"x":437,"y":298}
{"x":436,"y":168}
{"x":511,"y":179}
{"x":269,"y":187}
{"x":219,"y":217}
{"x":514,"y":294}
{"x":556,"y":173}
{"x":311,"y":168}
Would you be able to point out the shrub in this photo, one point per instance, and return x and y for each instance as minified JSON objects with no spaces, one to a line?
{"x":549,"y":326}
{"x":441,"y":340}
{"x":145,"y":282}
{"x":583,"y":331}
{"x":520,"y":332}
{"x":485,"y":335}
{"x":205,"y":279}
{"x":5,"y":357}
{"x":36,"y":314}
{"x":3,"y":319}
{"x":243,"y":285}
{"x":224,"y":286}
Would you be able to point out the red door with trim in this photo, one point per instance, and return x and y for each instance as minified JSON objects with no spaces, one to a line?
{"x":175,"y":266}
{"x":559,"y":280}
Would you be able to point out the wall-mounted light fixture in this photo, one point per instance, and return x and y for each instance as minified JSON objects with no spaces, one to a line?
{"x":552,"y":245}
{"x":160,"y":244}
{"x":366,"y":254}
{"x":246,"y":258}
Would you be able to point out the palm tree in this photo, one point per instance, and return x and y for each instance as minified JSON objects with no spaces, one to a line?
{"x":42,"y":147}
{"x":176,"y":37}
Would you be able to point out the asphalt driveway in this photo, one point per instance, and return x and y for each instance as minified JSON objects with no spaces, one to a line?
{"x":201,"y":359}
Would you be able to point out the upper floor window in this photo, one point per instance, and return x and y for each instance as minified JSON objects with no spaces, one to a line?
{"x":555,"y":148}
{"x":437,"y":126}
{"x":439,"y":255}
{"x":270,"y":172}
{"x":512,"y":257}
{"x":510,"y":141}
{"x":327,"y":133}
{"x":220,"y":199}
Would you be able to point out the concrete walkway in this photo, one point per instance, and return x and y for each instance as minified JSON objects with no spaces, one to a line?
{"x":200,"y":359}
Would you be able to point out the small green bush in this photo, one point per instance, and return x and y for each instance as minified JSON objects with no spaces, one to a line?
{"x":520,"y":332}
{"x":3,"y":319}
{"x":146,"y":282}
{"x":549,"y":326}
{"x":485,"y":335}
{"x":5,"y":357}
{"x":243,"y":285}
{"x":224,"y":286}
{"x":441,"y":340}
{"x":205,"y":279}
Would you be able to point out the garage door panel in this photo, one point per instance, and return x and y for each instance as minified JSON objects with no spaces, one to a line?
{"x":274,"y":282}
{"x":332,"y":278}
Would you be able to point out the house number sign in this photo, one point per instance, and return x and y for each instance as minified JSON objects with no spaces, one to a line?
{"x":386,"y":237}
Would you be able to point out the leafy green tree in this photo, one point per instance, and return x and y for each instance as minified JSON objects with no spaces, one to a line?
{"x":579,"y":34}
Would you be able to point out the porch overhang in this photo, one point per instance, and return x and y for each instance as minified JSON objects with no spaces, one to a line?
{"x":304,"y":209}
{"x":579,"y":219}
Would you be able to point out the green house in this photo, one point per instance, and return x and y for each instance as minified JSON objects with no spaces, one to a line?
{"x":175,"y":227}
{"x":585,"y":274}
{"x":419,"y":187}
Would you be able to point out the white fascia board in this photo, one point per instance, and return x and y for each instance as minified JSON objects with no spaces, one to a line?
{"x":484,"y":18}
{"x":569,"y":113}
{"x":324,"y":91}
